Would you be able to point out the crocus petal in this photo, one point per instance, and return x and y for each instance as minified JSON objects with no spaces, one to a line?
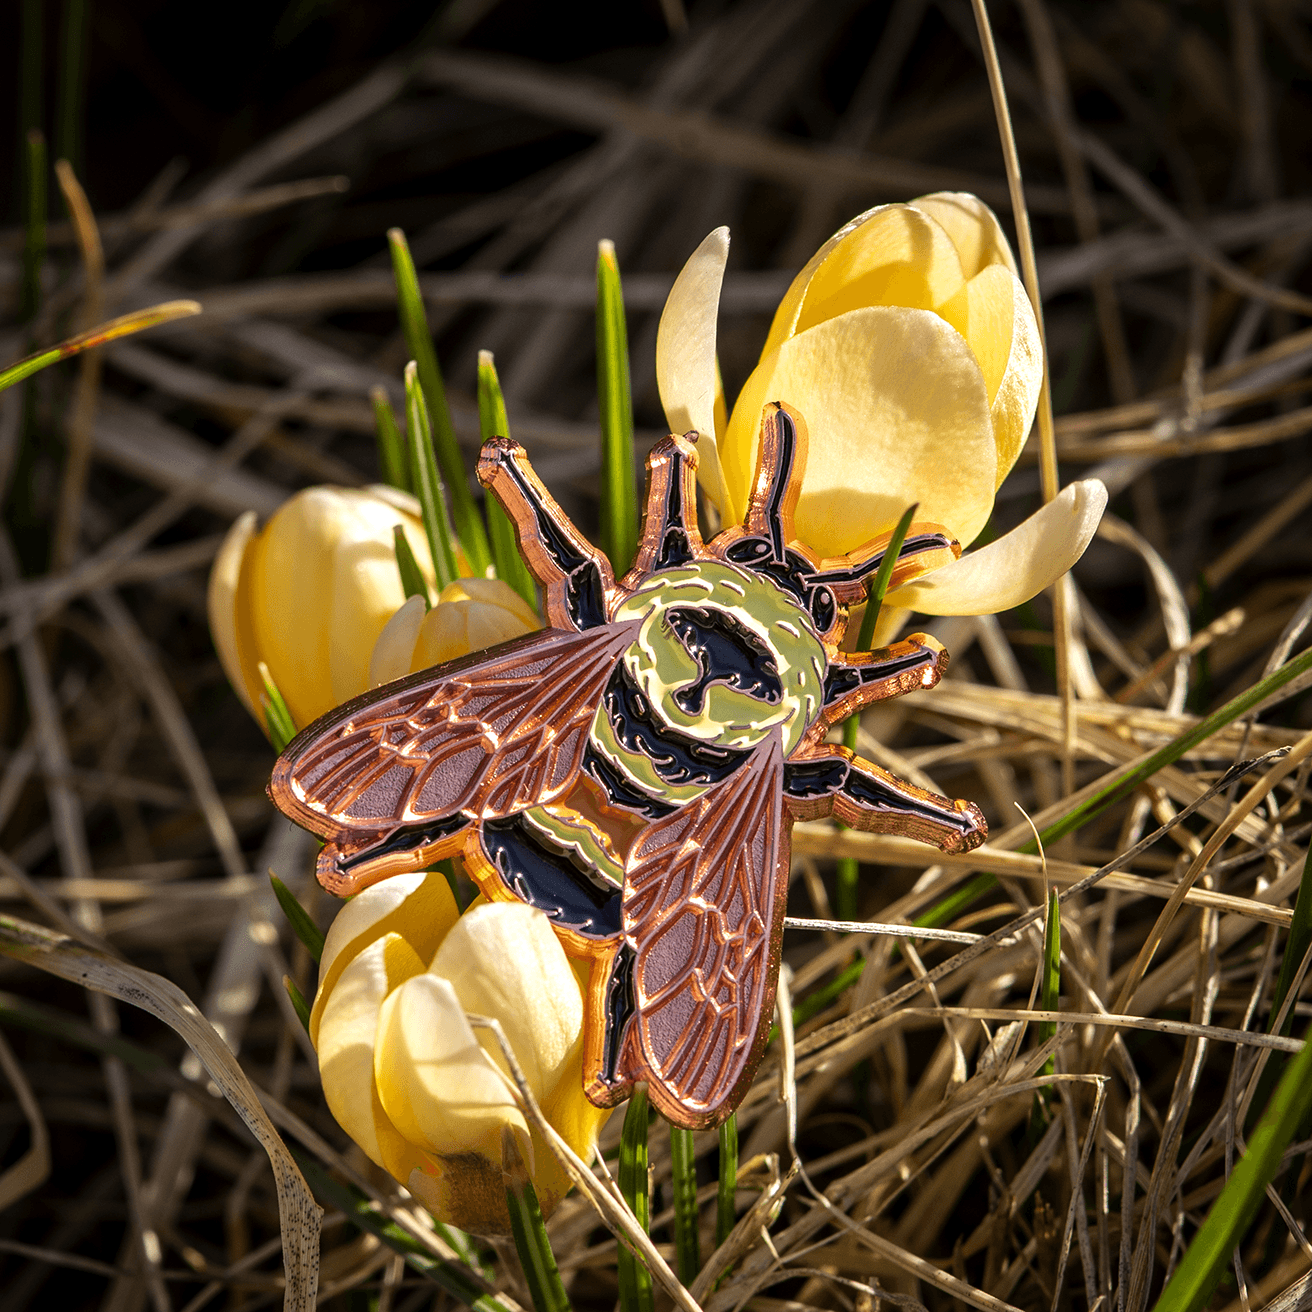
{"x":227,"y":621}
{"x":890,"y":255}
{"x":685,"y":353}
{"x":1018,"y":565}
{"x":417,"y":906}
{"x":347,"y":1032}
{"x":394,"y":651}
{"x":493,"y":592}
{"x":366,"y":593}
{"x":532,"y":991}
{"x":436,"y":1083}
{"x":882,"y":436}
{"x":973,"y":228}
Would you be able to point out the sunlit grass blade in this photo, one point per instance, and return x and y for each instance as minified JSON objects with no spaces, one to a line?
{"x":634,"y":1278}
{"x":412,"y":577}
{"x":1208,"y":1255}
{"x":391,"y":445}
{"x":619,"y":492}
{"x":34,"y":228}
{"x":97,"y":336}
{"x":725,"y":1199}
{"x":494,"y":422}
{"x":299,"y":1004}
{"x":846,"y":875}
{"x":530,"y":1233}
{"x":1049,"y":1000}
{"x":683,"y":1164}
{"x":277,"y":718}
{"x":298,"y":918}
{"x":414,"y":323}
{"x":427,"y":482}
{"x":457,"y":1280}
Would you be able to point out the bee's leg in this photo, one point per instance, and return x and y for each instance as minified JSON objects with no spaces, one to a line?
{"x":611,"y":1007}
{"x":863,"y":796}
{"x":577,"y":578}
{"x":780,"y":455}
{"x":669,"y":523}
{"x":856,"y":679}
{"x":926,"y":546}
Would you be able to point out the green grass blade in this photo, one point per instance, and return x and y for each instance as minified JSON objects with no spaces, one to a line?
{"x":412,"y":577}
{"x":1049,"y":999}
{"x":634,"y":1278}
{"x":391,"y":445}
{"x":72,"y":82}
{"x":414,"y":323}
{"x":619,"y":492}
{"x":846,"y":875}
{"x":494,"y":422}
{"x":97,"y":336}
{"x":1208,"y":1255}
{"x":457,"y":1280}
{"x":299,"y":1004}
{"x":683,"y":1161}
{"x":531,"y":1243}
{"x":34,"y":223}
{"x":428,"y":482}
{"x":725,"y":1199}
{"x":277,"y":718}
{"x":302,"y":926}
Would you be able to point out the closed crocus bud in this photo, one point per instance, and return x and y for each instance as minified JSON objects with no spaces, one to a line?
{"x":424,"y":1094}
{"x":310,"y":592}
{"x":470,"y":614}
{"x":911,"y":350}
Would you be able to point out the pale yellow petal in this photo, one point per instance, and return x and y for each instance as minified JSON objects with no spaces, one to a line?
{"x":394,"y":651}
{"x":347,"y":1030}
{"x":882,"y":434}
{"x":494,"y":592}
{"x":229,"y":628}
{"x":973,"y":228}
{"x":417,"y":906}
{"x":1018,"y":565}
{"x":891,"y":255}
{"x":685,"y":353}
{"x":443,"y":636}
{"x":504,"y":960}
{"x":436,"y":1083}
{"x":993,"y":313}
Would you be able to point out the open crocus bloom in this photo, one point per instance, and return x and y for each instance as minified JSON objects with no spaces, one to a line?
{"x":310,"y":592}
{"x":470,"y":614}
{"x":910,"y":348}
{"x":425,"y":1095}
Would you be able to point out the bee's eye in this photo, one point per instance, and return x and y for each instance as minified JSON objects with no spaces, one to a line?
{"x":824,"y":610}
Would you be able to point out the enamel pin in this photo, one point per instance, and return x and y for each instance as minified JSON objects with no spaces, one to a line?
{"x":635,"y":769}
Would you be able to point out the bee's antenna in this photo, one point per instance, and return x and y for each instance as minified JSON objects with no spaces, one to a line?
{"x":780,"y":463}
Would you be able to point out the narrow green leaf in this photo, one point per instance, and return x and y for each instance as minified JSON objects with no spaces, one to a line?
{"x":493,"y":422}
{"x":414,"y":323}
{"x":412,"y":577}
{"x":531,"y":1243}
{"x":298,"y":917}
{"x":391,"y":445}
{"x":724,"y":1203}
{"x":428,"y":482}
{"x":72,"y":82}
{"x":619,"y":491}
{"x":277,"y":718}
{"x":456,"y":1279}
{"x":634,"y":1278}
{"x":97,"y":336}
{"x":1049,"y":1000}
{"x":34,"y":225}
{"x":299,"y":1004}
{"x":1192,"y":1283}
{"x":847,"y":873}
{"x":683,"y":1162}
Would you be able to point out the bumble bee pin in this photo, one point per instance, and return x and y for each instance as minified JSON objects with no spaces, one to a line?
{"x":635,"y":769}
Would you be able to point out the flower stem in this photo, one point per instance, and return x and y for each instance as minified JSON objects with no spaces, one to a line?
{"x":724,"y":1206}
{"x":531,"y":1243}
{"x":619,"y":493}
{"x":683,"y":1161}
{"x":634,"y":1278}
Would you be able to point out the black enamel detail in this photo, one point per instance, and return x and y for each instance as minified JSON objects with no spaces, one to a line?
{"x":727,"y":651}
{"x":620,"y":791}
{"x":840,"y":680}
{"x":406,"y":839}
{"x":550,"y":881}
{"x":620,"y":1010}
{"x":805,"y":780}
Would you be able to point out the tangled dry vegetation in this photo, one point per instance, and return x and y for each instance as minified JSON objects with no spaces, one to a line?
{"x":906,"y":1145}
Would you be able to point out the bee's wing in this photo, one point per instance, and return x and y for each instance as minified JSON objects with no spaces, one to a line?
{"x":483,"y":736}
{"x":703,"y":908}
